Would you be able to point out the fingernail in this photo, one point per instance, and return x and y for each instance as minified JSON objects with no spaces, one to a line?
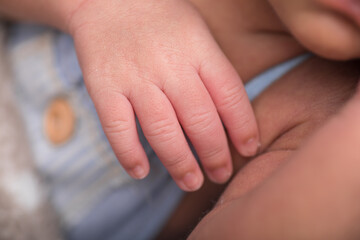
{"x":251,"y":148}
{"x":220,"y":175}
{"x":192,"y":182}
{"x":138,"y":172}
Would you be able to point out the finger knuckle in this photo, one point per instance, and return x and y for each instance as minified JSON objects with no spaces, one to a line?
{"x":232,"y":99}
{"x":178,"y":163}
{"x":214,"y":157}
{"x":119,"y":128}
{"x":162,"y":130}
{"x":201,"y":122}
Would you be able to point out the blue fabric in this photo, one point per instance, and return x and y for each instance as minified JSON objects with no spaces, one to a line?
{"x":261,"y":82}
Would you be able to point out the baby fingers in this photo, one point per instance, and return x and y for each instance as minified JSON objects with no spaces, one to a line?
{"x":198,"y":116}
{"x":228,"y":93}
{"x":118,"y":121}
{"x":163,"y":131}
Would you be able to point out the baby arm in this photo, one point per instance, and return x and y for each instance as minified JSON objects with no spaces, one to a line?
{"x":155,"y":59}
{"x":286,"y":193}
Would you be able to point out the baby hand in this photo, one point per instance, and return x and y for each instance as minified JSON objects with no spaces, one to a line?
{"x":157,"y":59}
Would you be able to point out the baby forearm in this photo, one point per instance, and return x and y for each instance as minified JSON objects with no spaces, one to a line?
{"x":51,"y":12}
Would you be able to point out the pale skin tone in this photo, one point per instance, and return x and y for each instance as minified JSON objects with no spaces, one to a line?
{"x":158,"y":60}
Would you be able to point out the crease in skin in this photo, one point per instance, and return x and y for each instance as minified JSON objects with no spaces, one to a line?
{"x":247,"y":184}
{"x":277,"y":152}
{"x":284,"y":132}
{"x":266,"y":162}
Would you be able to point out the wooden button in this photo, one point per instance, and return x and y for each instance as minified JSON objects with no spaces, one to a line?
{"x":59,"y":121}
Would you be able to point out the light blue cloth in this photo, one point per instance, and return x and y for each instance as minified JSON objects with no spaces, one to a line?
{"x":264,"y":80}
{"x":94,"y":197}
